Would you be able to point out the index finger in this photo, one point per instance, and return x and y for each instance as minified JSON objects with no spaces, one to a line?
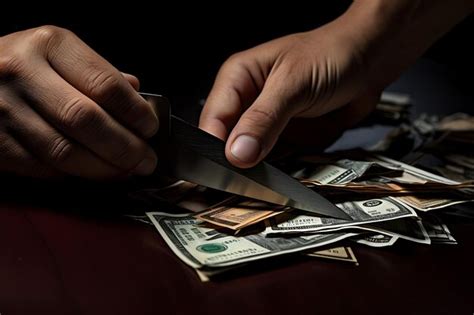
{"x":234,"y":90}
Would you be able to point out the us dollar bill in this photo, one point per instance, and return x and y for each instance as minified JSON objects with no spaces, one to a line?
{"x":427,"y":203}
{"x":362,"y":212}
{"x":409,"y":229}
{"x":342,"y":253}
{"x":199,"y":246}
{"x":412,"y":186}
{"x":379,"y":186}
{"x":343,"y":171}
{"x":239,"y":214}
{"x":376,"y":240}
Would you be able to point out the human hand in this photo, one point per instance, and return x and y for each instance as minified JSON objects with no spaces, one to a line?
{"x":308,"y":87}
{"x":64,"y":110}
{"x":295,"y":87}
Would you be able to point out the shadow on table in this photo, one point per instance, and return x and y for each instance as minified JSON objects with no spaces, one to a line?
{"x":91,"y":198}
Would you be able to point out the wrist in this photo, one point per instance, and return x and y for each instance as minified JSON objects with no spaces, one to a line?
{"x":391,"y":35}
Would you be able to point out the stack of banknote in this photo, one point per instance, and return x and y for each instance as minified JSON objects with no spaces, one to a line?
{"x":388,"y":201}
{"x":442,"y":145}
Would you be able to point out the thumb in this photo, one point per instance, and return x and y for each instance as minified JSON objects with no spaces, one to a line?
{"x":259,"y":127}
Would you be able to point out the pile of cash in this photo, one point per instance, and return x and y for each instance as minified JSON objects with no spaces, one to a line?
{"x":441,"y":145}
{"x":388,"y":200}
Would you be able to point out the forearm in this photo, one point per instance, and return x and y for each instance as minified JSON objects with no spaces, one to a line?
{"x":390,"y":35}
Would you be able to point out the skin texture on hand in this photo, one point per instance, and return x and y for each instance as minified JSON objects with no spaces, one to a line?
{"x":258,"y":91}
{"x":307,"y":88}
{"x":64,"y":110}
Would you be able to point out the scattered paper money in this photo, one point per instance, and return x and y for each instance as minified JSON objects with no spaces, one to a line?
{"x":238,"y":215}
{"x":344,"y":171}
{"x":199,"y":246}
{"x":413,"y":187}
{"x":362,"y":212}
{"x":386,"y":198}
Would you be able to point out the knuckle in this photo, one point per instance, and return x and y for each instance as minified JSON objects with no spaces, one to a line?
{"x":60,"y":149}
{"x":102,"y":86}
{"x":77,"y":114}
{"x":48,"y":35}
{"x":233,"y":61}
{"x":259,"y":117}
{"x":48,"y":38}
{"x":235,"y":58}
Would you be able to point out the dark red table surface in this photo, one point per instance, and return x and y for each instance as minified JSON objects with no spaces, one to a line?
{"x":53,"y":262}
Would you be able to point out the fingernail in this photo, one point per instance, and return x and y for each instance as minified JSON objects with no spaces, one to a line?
{"x":147,"y":166}
{"x":245,"y":148}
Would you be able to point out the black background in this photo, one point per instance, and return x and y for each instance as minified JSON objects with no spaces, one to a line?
{"x":176,"y":49}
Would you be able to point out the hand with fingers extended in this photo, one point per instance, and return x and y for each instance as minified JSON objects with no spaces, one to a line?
{"x":64,"y":110}
{"x":307,"y":88}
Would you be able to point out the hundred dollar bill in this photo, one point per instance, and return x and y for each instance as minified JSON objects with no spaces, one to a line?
{"x":376,"y":240}
{"x":426,"y":203}
{"x":382,"y":187}
{"x":238,"y":215}
{"x":342,"y":253}
{"x":343,"y":171}
{"x":200,"y":247}
{"x":362,"y":212}
{"x":419,"y":173}
{"x":410,"y":179}
{"x":429,"y":202}
{"x":409,"y":229}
